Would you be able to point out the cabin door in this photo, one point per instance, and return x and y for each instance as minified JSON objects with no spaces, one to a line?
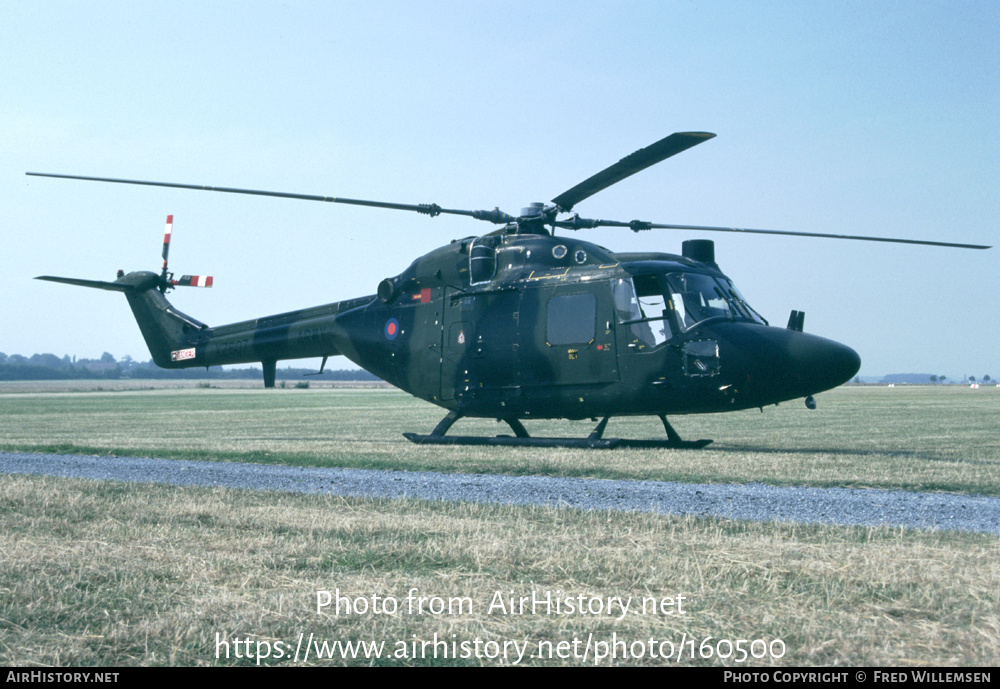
{"x":567,"y":335}
{"x":479,"y":343}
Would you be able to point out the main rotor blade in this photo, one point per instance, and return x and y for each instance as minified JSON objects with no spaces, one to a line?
{"x":97,"y":284}
{"x":431,"y":209}
{"x":639,"y":225}
{"x":629,"y":165}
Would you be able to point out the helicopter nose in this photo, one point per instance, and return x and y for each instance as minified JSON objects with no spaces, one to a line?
{"x":821,"y":364}
{"x":776,"y":364}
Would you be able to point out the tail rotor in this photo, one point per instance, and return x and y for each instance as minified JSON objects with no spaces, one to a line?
{"x":167,"y":280}
{"x":142,"y":280}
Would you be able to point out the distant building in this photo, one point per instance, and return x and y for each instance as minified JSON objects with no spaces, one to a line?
{"x":909,"y":379}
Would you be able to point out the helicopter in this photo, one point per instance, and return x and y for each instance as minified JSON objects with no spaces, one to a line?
{"x":520,"y":324}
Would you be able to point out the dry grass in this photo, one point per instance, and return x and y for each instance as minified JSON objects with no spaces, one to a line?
{"x":101,"y":573}
{"x":117,"y":574}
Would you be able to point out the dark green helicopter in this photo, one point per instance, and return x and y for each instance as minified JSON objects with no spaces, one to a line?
{"x":521,"y":324}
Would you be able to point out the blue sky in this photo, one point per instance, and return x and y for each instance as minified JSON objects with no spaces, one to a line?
{"x":879,"y":118}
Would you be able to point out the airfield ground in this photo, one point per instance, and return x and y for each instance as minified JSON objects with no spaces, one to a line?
{"x":114,"y":573}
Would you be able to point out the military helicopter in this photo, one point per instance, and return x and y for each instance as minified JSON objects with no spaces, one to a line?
{"x":521,"y":324}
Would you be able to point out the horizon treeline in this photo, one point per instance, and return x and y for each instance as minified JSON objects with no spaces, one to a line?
{"x":52,"y":367}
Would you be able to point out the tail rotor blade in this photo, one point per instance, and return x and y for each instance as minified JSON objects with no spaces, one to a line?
{"x":166,"y":242}
{"x":193,"y":281}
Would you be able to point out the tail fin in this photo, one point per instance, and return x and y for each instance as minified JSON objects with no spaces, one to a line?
{"x":170,"y":334}
{"x":96,"y":284}
{"x":167,"y":331}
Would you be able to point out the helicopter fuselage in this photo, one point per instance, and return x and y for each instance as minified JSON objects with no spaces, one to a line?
{"x":519,"y":326}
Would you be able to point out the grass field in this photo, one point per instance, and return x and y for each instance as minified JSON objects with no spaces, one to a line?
{"x":99,"y":573}
{"x":921,"y":438}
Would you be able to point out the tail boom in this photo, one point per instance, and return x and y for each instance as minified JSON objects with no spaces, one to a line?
{"x":177,"y":340}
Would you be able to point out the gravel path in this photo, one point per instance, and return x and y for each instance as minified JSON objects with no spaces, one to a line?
{"x":753,"y":501}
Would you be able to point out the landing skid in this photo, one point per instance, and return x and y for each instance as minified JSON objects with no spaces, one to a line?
{"x":521,"y":438}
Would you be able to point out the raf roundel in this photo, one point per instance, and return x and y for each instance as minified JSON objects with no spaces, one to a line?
{"x":391,"y":329}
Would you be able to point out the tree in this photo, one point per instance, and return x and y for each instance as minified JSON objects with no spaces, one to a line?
{"x":934,"y":379}
{"x":46,"y":360}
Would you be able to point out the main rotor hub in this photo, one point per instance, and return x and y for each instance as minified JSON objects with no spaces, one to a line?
{"x":533,"y":210}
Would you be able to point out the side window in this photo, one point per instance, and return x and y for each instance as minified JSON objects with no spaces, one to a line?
{"x":626,"y":302}
{"x":571,"y":319}
{"x":648,"y":313}
{"x":651,"y":299}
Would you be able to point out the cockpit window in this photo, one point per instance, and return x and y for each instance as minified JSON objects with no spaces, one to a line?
{"x":655,"y":307}
{"x":698,"y":297}
{"x":742,"y":304}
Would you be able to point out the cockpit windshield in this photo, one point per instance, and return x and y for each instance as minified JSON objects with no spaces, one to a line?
{"x":657,"y":306}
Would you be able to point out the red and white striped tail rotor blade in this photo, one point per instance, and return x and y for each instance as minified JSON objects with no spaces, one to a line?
{"x":194,"y":281}
{"x":166,"y":241}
